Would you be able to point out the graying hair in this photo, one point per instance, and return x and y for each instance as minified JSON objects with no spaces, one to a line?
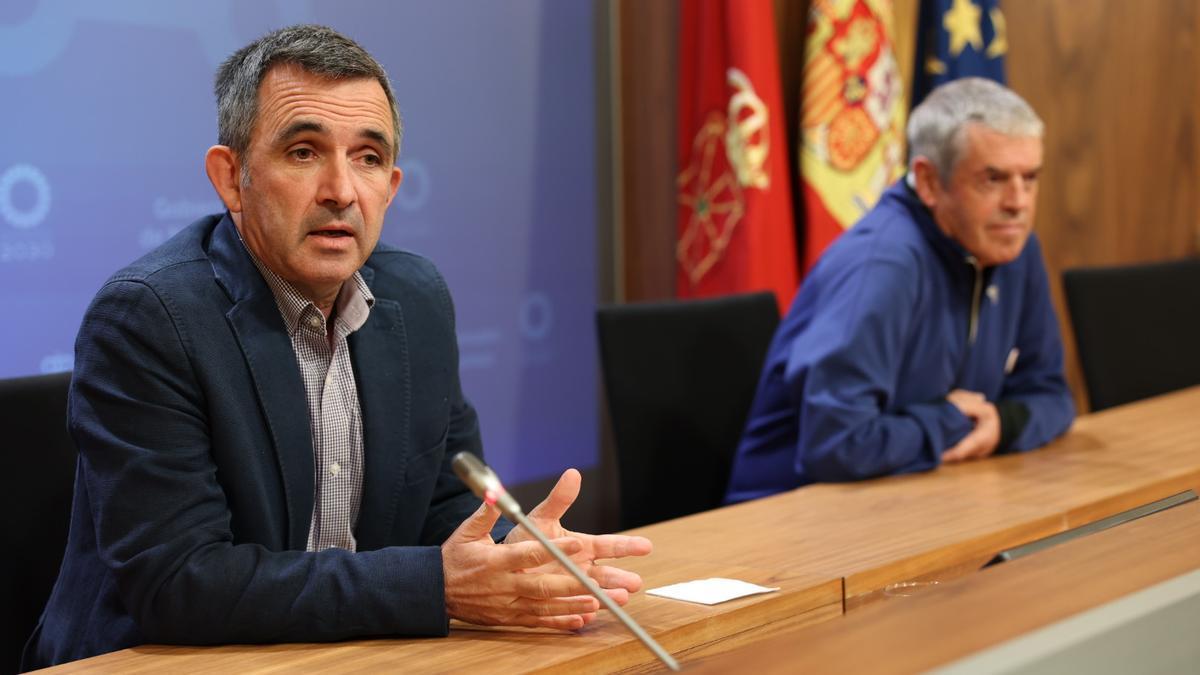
{"x":317,"y":49}
{"x":937,"y":127}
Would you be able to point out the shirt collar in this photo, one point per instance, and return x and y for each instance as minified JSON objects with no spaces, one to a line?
{"x":353,"y":303}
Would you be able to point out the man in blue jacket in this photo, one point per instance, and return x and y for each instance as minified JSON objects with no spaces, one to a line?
{"x":925,"y":334}
{"x":266,"y":406}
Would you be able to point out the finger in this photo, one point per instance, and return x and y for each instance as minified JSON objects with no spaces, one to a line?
{"x":478,"y":525}
{"x":619,"y":545}
{"x":971,"y":445}
{"x":571,"y":622}
{"x":963,"y":405}
{"x":961,"y":396}
{"x":545,"y":586}
{"x":974,"y":409}
{"x":962,"y":449}
{"x":579,"y":604}
{"x":618,"y":595}
{"x":560,"y":622}
{"x":614,"y":577}
{"x":955,"y":454}
{"x":560,"y":498}
{"x":530,"y":554}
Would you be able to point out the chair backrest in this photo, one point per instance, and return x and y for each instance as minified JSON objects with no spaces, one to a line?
{"x":1137,"y":329}
{"x":680,"y":378}
{"x":36,"y":487}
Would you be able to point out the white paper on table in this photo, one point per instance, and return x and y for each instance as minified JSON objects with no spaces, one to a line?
{"x":710,"y":591}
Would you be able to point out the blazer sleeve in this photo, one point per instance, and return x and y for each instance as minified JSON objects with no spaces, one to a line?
{"x":162,"y":520}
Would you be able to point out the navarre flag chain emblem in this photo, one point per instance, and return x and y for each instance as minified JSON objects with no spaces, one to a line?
{"x":735,"y":229}
{"x":728,"y":156}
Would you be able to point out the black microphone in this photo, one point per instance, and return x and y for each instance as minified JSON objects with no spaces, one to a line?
{"x":486,"y":485}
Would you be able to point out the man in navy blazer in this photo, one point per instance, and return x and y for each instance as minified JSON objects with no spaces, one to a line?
{"x":203,"y":494}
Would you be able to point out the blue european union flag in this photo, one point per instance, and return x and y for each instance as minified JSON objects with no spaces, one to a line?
{"x":958,"y":38}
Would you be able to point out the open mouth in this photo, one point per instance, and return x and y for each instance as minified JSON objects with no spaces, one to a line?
{"x":333,"y":234}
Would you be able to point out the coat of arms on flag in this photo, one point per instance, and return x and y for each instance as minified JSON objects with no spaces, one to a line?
{"x":852,"y":116}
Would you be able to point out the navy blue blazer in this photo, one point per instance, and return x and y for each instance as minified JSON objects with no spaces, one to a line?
{"x":194,"y":489}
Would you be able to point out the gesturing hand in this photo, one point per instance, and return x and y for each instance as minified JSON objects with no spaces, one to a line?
{"x":618,"y":583}
{"x":487,"y":584}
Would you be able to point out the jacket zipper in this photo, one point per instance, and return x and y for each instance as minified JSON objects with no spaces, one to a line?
{"x":976,"y":297}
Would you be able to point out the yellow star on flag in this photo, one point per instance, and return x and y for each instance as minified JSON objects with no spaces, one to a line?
{"x":961,"y":21}
{"x":999,"y":45}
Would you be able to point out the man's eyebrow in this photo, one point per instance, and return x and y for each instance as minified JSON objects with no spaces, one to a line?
{"x":992,"y":170}
{"x":297,"y":128}
{"x":379,"y":137}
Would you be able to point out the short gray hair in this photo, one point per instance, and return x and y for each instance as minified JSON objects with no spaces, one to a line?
{"x":937,"y":126}
{"x":317,"y":49}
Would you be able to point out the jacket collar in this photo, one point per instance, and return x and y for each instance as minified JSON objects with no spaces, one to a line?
{"x":924,"y":219}
{"x":256,"y":323}
{"x":379,"y":353}
{"x":957,"y":259}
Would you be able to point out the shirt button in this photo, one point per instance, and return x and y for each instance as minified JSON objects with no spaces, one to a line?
{"x":335,"y":469}
{"x":314,"y":322}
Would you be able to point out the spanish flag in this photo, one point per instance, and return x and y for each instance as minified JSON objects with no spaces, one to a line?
{"x":852,"y":117}
{"x":736,"y":231}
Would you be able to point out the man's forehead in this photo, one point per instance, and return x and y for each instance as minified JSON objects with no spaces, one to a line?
{"x":289,"y":75}
{"x":289,"y":92}
{"x":986,"y":145}
{"x":978,"y":133}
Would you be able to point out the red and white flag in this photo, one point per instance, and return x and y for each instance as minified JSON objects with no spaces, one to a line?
{"x":736,"y":226}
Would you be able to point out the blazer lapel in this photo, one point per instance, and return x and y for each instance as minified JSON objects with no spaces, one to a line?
{"x":258,"y":326}
{"x":379,"y":352}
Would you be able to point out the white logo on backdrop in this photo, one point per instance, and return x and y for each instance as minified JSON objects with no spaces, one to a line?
{"x":24,"y":218}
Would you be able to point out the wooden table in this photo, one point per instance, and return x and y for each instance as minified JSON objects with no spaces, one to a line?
{"x":950,"y":621}
{"x":830,"y":548}
{"x":944,"y":523}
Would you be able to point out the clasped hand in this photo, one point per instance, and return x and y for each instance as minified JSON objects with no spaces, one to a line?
{"x":985,"y":437}
{"x":518,"y":583}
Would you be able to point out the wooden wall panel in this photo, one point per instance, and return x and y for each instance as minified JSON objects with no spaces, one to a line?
{"x":1116,"y":83}
{"x":646,"y":87}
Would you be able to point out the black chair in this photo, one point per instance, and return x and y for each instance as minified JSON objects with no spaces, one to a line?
{"x":1137,"y":329}
{"x":36,"y":485}
{"x":680,"y":378}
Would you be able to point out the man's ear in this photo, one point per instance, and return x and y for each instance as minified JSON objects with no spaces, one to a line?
{"x":394,"y":181}
{"x":927,"y":183}
{"x":225,"y":176}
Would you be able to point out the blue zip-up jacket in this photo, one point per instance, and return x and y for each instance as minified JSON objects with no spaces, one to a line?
{"x":893,"y":317}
